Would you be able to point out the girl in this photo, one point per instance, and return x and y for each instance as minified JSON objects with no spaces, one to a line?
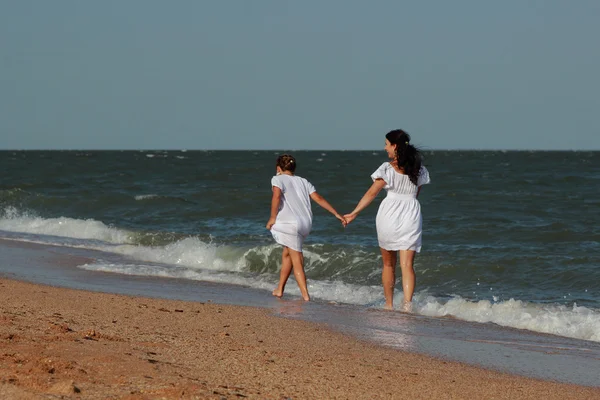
{"x":291,"y":220}
{"x":399,"y":221}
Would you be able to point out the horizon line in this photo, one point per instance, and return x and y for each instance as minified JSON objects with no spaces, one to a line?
{"x":422,"y":149}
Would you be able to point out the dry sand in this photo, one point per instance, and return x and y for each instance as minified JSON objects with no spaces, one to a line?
{"x":63,"y":343}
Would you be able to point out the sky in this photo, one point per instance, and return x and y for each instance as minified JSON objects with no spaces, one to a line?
{"x":311,"y":74}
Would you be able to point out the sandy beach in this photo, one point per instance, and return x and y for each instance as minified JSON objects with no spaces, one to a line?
{"x":77,"y":344}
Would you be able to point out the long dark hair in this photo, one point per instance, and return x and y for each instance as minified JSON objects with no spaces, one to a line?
{"x":408,"y":157}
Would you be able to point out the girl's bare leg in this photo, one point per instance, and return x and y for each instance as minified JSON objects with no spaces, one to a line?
{"x":298,"y":265}
{"x":409,"y":280}
{"x":388,"y":276}
{"x":286,"y":269}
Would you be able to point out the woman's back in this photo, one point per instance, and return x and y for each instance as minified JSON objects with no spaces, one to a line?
{"x":399,"y":183}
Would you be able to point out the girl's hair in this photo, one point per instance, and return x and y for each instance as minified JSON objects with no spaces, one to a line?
{"x":408,"y":156}
{"x":286,"y":162}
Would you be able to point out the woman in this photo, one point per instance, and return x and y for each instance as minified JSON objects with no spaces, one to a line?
{"x":399,"y":221}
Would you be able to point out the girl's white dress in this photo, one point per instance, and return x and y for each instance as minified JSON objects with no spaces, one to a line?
{"x":399,"y":222}
{"x":294,"y":220}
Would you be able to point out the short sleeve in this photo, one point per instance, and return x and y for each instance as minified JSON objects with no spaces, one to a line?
{"x":423,"y":177}
{"x":276,"y":181}
{"x":310,"y":187}
{"x":381,"y":173}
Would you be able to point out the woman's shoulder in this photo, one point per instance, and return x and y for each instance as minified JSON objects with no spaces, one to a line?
{"x":382,"y":172}
{"x":385,"y":166}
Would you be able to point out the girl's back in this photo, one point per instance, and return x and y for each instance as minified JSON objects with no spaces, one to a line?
{"x":295,"y":204}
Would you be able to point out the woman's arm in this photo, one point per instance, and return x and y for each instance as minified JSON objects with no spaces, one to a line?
{"x":275,"y":200}
{"x":366,"y":199}
{"x":320,"y":200}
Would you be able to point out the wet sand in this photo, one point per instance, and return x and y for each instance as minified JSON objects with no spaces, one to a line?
{"x":78,"y":344}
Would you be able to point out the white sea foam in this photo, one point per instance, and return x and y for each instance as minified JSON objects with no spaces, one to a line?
{"x":182,"y":273}
{"x":576,"y":322}
{"x":13,"y":220}
{"x":189,"y":252}
{"x":145,"y":196}
{"x":325,"y":290}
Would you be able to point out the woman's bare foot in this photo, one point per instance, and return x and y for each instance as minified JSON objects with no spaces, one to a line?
{"x":407,"y":306}
{"x":278,"y":293}
{"x":388,"y":307}
{"x":306,"y":298}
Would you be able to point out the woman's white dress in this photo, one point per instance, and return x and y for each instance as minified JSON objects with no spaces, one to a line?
{"x":399,"y":222}
{"x":294,"y":220}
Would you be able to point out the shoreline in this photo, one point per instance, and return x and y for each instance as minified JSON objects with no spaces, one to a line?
{"x":488,"y":346}
{"x":100,"y":345}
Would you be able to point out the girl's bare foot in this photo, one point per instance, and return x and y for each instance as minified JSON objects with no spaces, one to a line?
{"x":278,"y":293}
{"x":388,"y":307}
{"x":407,"y":306}
{"x":306,"y":298}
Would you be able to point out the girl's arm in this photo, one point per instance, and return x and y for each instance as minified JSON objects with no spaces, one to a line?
{"x":366,"y":199}
{"x":320,"y":200}
{"x":275,"y":200}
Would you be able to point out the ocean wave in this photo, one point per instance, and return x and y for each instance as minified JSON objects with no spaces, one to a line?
{"x":12,"y":192}
{"x":569,"y":321}
{"x":162,"y":247}
{"x":190,"y":252}
{"x":175,"y":249}
{"x":14,"y":220}
{"x":15,"y":196}
{"x":145,"y":196}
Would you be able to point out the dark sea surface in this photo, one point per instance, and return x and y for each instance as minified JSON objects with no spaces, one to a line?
{"x":511,"y":238}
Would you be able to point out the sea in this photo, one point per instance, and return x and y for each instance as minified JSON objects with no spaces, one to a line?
{"x":511,"y":239}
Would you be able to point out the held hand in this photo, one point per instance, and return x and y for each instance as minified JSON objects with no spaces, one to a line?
{"x":342,"y":219}
{"x":270,"y":223}
{"x":349,"y":218}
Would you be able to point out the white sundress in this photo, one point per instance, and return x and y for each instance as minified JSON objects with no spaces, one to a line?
{"x":294,"y":220}
{"x":399,"y":222}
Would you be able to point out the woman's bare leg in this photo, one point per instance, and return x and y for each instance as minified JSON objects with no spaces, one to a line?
{"x":388,"y":276}
{"x":298,"y":265}
{"x":286,"y":269}
{"x":409,"y":280}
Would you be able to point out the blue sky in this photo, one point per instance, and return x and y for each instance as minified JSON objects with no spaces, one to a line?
{"x":278,"y":74}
